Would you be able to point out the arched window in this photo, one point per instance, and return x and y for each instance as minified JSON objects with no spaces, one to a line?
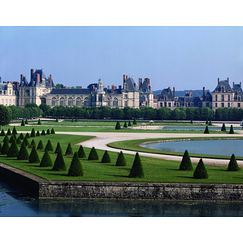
{"x":115,"y":102}
{"x":70,"y":101}
{"x":62,"y":101}
{"x":27,"y":93}
{"x":86,"y":101}
{"x":53,"y":101}
{"x":78,"y":102}
{"x":108,"y":102}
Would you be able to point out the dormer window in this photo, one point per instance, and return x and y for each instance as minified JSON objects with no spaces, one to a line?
{"x":222,"y":89}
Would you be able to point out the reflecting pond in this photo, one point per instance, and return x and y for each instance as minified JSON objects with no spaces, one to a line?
{"x":213,"y":147}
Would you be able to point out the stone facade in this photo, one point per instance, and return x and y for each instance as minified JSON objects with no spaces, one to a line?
{"x":8,"y":94}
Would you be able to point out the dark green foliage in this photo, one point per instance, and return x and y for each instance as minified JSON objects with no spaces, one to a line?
{"x":106,"y":158}
{"x":129,"y":123}
{"x":37,"y":134}
{"x":26,"y":121}
{"x":233,"y":165}
{"x":26,"y":142}
{"x":69,"y":150}
{"x":5,"y":147}
{"x":206,"y":130}
{"x":49,"y":146}
{"x":0,"y":147}
{"x":23,"y":153}
{"x":207,"y":122}
{"x":58,"y":148}
{"x":118,"y":126}
{"x":125,"y":125}
{"x":40,"y":145}
{"x":14,"y":131}
{"x":93,"y":154}
{"x":23,"y":123}
{"x":13,"y":150}
{"x":76,"y":120}
{"x":46,"y":160}
{"x":200,"y":171}
{"x":210,"y":123}
{"x":18,"y":141}
{"x":134,"y":121}
{"x":5,"y":115}
{"x":191,"y":121}
{"x":48,"y":131}
{"x":43,"y":132}
{"x":72,"y":119}
{"x":120,"y":160}
{"x":52,"y":131}
{"x":2,"y":133}
{"x":12,"y":138}
{"x":186,"y":163}
{"x":56,"y":119}
{"x":6,"y":138}
{"x":27,"y":135}
{"x":81,"y":153}
{"x":39,"y":122}
{"x":59,"y":164}
{"x":223,"y":128}
{"x":75,"y":168}
{"x":9,"y":132}
{"x":21,"y":136}
{"x":32,"y":132}
{"x":34,"y":158}
{"x":231,"y":130}
{"x":32,"y":144}
{"x":137,"y":168}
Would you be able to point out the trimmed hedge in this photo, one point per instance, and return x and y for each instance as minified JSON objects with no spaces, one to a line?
{"x":81,"y":153}
{"x":120,"y":160}
{"x":52,"y":131}
{"x":69,"y":150}
{"x":106,"y":158}
{"x":118,"y":125}
{"x":75,"y":168}
{"x":49,"y":146}
{"x":200,"y":171}
{"x":26,"y":142}
{"x":23,"y":153}
{"x":2,"y":133}
{"x":22,"y":123}
{"x":186,"y":163}
{"x":223,"y":128}
{"x":43,"y":133}
{"x":14,"y":131}
{"x":5,"y":147}
{"x":32,"y":132}
{"x":59,"y":164}
{"x":32,"y":144}
{"x":34,"y":157}
{"x":137,"y":168}
{"x":58,"y":148}
{"x":233,"y":165}
{"x":93,"y":154}
{"x":46,"y":160}
{"x":40,"y":145}
{"x":206,"y":130}
{"x":231,"y":130}
{"x":13,"y":150}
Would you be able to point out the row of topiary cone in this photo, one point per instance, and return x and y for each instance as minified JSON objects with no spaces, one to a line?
{"x":223,"y":129}
{"x":118,"y":125}
{"x":200,"y":171}
{"x":23,"y":122}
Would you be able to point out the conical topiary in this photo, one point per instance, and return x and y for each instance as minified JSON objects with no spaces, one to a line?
{"x":5,"y":147}
{"x":2,"y":133}
{"x":9,"y":132}
{"x":200,"y":171}
{"x":125,"y":125}
{"x":207,"y":122}
{"x":34,"y":157}
{"x":40,"y":145}
{"x":26,"y":121}
{"x":120,"y":160}
{"x":43,"y":132}
{"x":26,"y":142}
{"x":206,"y":130}
{"x":6,"y":138}
{"x":48,"y":131}
{"x":129,"y":123}
{"x":23,"y":153}
{"x":32,"y":132}
{"x":75,"y":168}
{"x":23,"y":123}
{"x":233,"y":165}
{"x":56,"y":119}
{"x":106,"y":158}
{"x":59,"y":164}
{"x":18,"y":141}
{"x":14,"y":131}
{"x":186,"y":163}
{"x":52,"y":131}
{"x":231,"y":130}
{"x":0,"y":147}
{"x":118,"y":126}
{"x":21,"y":136}
{"x":69,"y":150}
{"x":191,"y":121}
{"x":32,"y":144}
{"x":81,"y":153}
{"x":93,"y":154}
{"x":76,"y":119}
{"x":13,"y":150}
{"x":39,"y":122}
{"x":46,"y":160}
{"x":37,"y":134}
{"x":210,"y":123}
{"x":72,"y":120}
{"x":12,"y":138}
{"x":223,"y":128}
{"x":137,"y":168}
{"x":27,"y":135}
{"x":134,"y":121}
{"x":49,"y":146}
{"x":58,"y":148}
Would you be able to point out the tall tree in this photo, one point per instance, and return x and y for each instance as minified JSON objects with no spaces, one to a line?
{"x":5,"y":116}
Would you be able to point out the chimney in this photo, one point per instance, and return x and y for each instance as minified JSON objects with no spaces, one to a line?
{"x":50,"y":79}
{"x":16,"y":85}
{"x":218,"y":80}
{"x":112,"y":89}
{"x":228,"y":80}
{"x":120,"y":86}
{"x":140,"y":81}
{"x":203,"y":92}
{"x":108,"y":86}
{"x":32,"y":71}
{"x":173,"y":93}
{"x":81,"y":87}
{"x":93,"y":87}
{"x":233,"y":84}
{"x":147,"y":81}
{"x":21,"y":77}
{"x":168,"y":89}
{"x":124,"y":77}
{"x":115,"y":87}
{"x":190,"y":93}
{"x":195,"y":93}
{"x":240,"y":84}
{"x":37,"y":78}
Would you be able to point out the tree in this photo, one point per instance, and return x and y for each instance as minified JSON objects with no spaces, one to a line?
{"x":9,"y":132}
{"x":23,"y":123}
{"x":39,"y":122}
{"x":81,"y":153}
{"x":125,"y":125}
{"x":233,"y":165}
{"x":13,"y":150}
{"x":48,"y":131}
{"x":75,"y":168}
{"x":34,"y":158}
{"x":6,"y":138}
{"x":118,"y":126}
{"x":52,"y":131}
{"x":40,"y":145}
{"x":32,"y":132}
{"x":137,"y":168}
{"x":14,"y":131}
{"x":26,"y":121}
{"x":69,"y":150}
{"x":37,"y":134}
{"x":223,"y":128}
{"x":2,"y":133}
{"x":18,"y":141}
{"x":5,"y":147}
{"x":93,"y":154}
{"x":120,"y":160}
{"x":27,"y":135}
{"x":58,"y":148}
{"x":200,"y":171}
{"x":26,"y":142}
{"x":46,"y":160}
{"x":21,"y":136}
{"x":134,"y":121}
{"x":129,"y":123}
{"x":206,"y":130}
{"x":23,"y":153}
{"x":106,"y":158}
{"x":59,"y":164}
{"x":5,"y":116}
{"x":49,"y":146}
{"x":186,"y":163}
{"x":43,"y":132}
{"x":32,"y":144}
{"x":231,"y":130}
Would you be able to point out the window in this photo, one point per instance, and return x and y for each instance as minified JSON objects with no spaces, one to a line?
{"x":115,"y":102}
{"x":165,"y":104}
{"x":6,"y":102}
{"x":9,"y":101}
{"x":62,"y":101}
{"x":70,"y":101}
{"x":216,"y":104}
{"x":222,"y":104}
{"x":228,"y":104}
{"x":78,"y":102}
{"x":53,"y":102}
{"x":238,"y":98}
{"x":228,"y":97}
{"x":216,"y":98}
{"x":161,"y":104}
{"x":125,"y":103}
{"x":169,"y":104}
{"x":86,"y":101}
{"x":222,"y":97}
{"x":238,"y":104}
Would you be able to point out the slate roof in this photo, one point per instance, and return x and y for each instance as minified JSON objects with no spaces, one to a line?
{"x":222,"y":84}
{"x":70,"y":91}
{"x":131,"y":85}
{"x":166,"y":92}
{"x":145,"y":88}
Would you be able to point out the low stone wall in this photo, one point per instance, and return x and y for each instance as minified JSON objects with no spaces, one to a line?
{"x":45,"y":189}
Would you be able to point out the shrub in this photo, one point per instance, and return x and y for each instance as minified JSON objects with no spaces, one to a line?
{"x":129,"y":123}
{"x":32,"y":132}
{"x":9,"y":132}
{"x":27,"y":135}
{"x":32,"y":144}
{"x":200,"y":171}
{"x":34,"y":158}
{"x":191,"y":121}
{"x":118,"y":126}
{"x":231,"y":130}
{"x":14,"y":131}
{"x":186,"y":163}
{"x":233,"y":165}
{"x":6,"y":138}
{"x":206,"y":130}
{"x":75,"y":168}
{"x":125,"y":125}
{"x":120,"y":160}
{"x":23,"y":123}
{"x":207,"y":122}
{"x":5,"y":147}
{"x":21,"y":136}
{"x":12,"y":138}
{"x":0,"y":147}
{"x":81,"y":153}
{"x":39,"y":122}
{"x":43,"y":132}
{"x":72,"y":119}
{"x":223,"y":128}
{"x":58,"y":148}
{"x":26,"y":142}
{"x":134,"y":121}
{"x":59,"y":164}
{"x":69,"y":150}
{"x":2,"y":133}
{"x":210,"y":123}
{"x":93,"y":154}
{"x":40,"y":145}
{"x":56,"y":119}
{"x":52,"y":131}
{"x":76,"y":120}
{"x":26,"y":121}
{"x":48,"y":131}
{"x":37,"y":134}
{"x":18,"y":141}
{"x":46,"y":160}
{"x":106,"y":158}
{"x":13,"y":150}
{"x":23,"y":153}
{"x":49,"y":146}
{"x":137,"y":168}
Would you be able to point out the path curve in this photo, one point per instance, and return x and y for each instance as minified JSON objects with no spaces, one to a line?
{"x":101,"y":140}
